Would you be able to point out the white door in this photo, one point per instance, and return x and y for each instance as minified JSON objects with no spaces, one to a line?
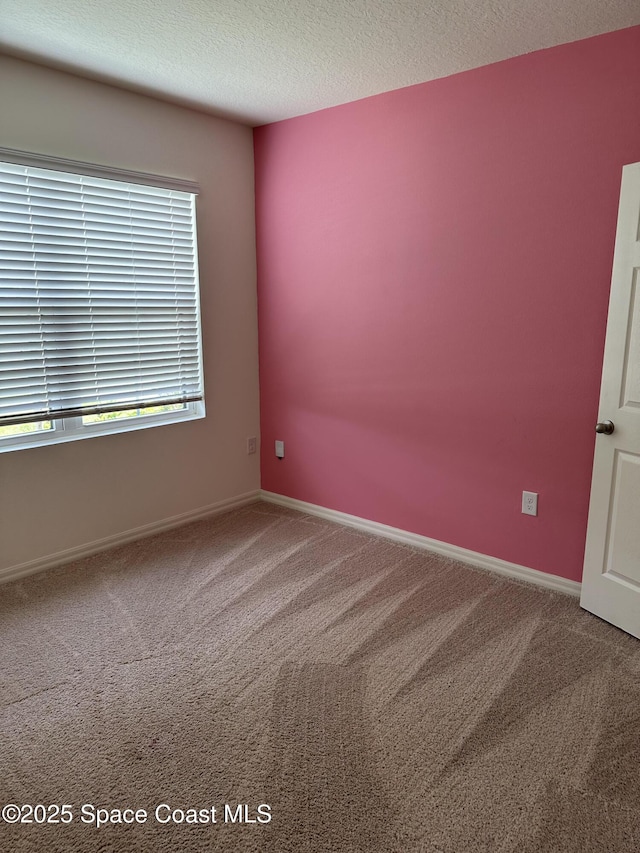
{"x":611,"y":578}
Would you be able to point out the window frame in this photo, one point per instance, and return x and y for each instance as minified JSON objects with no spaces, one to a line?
{"x":71,"y":428}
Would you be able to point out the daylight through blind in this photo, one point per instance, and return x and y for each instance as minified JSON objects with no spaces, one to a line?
{"x":98,"y":295}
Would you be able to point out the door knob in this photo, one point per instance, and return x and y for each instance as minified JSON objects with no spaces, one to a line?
{"x":605,"y":427}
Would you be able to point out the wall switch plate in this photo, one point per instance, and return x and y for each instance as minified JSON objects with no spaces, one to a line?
{"x":252,"y":444}
{"x":280,"y":449}
{"x":530,"y":503}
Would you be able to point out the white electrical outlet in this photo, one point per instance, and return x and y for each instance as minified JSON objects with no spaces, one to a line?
{"x":530,"y":503}
{"x":252,"y":444}
{"x":280,"y":449}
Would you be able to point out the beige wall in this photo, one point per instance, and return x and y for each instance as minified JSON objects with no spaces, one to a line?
{"x":59,"y":497}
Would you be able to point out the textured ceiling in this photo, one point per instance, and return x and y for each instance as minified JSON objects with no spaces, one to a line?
{"x":264,"y":60}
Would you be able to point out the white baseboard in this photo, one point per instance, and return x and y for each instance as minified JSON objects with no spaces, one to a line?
{"x":14,"y":572}
{"x":415,"y":540}
{"x":493,"y":564}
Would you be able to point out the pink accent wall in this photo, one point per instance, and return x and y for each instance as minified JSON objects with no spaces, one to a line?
{"x":433,"y":276}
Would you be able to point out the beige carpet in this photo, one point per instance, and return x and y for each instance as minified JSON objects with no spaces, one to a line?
{"x":375,"y":697}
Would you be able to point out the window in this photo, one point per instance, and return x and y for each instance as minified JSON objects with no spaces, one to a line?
{"x":99,"y":303}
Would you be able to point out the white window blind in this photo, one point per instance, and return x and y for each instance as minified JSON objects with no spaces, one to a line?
{"x":98,"y":295}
